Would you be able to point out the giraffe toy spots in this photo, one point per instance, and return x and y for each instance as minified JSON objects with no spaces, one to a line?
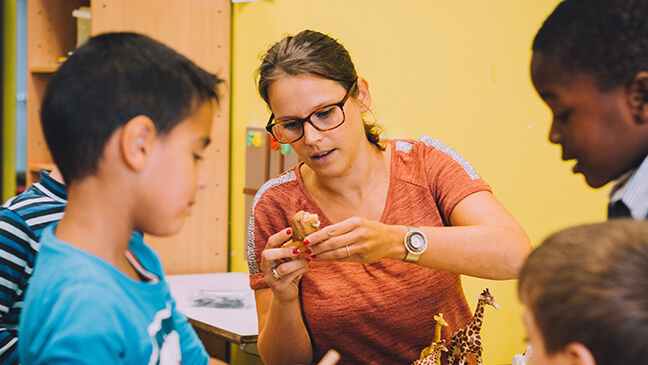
{"x":435,"y":354}
{"x":467,"y":340}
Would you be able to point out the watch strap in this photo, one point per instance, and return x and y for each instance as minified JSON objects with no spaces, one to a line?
{"x":411,"y":257}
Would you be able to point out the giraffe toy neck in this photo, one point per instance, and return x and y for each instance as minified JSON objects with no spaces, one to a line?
{"x":437,"y":333}
{"x":478,"y":318}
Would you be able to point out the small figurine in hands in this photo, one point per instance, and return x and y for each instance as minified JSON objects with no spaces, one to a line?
{"x":303,"y":224}
{"x":467,"y":340}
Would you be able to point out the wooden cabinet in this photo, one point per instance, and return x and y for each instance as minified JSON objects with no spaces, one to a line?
{"x":199,"y":29}
{"x":51,"y":34}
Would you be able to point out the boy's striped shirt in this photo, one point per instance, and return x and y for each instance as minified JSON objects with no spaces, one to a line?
{"x":22,"y":219}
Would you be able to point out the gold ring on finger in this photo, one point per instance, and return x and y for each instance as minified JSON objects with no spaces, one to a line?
{"x":276,"y":274}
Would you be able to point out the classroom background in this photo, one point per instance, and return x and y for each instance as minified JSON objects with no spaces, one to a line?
{"x":456,"y":71}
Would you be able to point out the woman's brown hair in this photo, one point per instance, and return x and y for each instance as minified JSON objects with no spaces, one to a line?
{"x":314,"y":53}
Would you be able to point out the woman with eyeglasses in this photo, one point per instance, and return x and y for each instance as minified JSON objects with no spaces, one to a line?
{"x":401,"y":220}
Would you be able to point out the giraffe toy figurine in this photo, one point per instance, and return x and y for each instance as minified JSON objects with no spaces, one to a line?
{"x":467,"y":340}
{"x":440,"y":322}
{"x":435,"y":354}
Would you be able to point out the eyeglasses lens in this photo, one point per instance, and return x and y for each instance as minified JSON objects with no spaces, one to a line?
{"x":324,"y":119}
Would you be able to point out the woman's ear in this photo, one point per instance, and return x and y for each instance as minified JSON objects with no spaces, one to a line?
{"x":639,"y":97}
{"x":577,"y":354}
{"x":363,"y":94}
{"x":136,"y":142}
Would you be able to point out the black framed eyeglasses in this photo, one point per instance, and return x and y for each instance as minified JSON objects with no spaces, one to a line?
{"x":323,"y":119}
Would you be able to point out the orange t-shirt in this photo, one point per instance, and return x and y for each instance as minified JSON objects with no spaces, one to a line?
{"x":381,"y":313}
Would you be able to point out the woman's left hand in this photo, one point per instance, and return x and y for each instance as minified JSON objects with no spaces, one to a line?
{"x":357,"y":240}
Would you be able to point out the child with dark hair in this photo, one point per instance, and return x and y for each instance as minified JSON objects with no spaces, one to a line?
{"x":127,"y":120}
{"x":586,"y":295}
{"x":590,"y":65}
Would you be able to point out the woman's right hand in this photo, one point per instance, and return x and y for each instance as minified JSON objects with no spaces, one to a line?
{"x":282,"y":267}
{"x":283,"y":337}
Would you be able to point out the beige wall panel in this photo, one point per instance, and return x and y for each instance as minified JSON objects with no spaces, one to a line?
{"x":199,"y":29}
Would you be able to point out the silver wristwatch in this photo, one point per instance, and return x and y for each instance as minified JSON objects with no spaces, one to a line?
{"x":415,"y":243}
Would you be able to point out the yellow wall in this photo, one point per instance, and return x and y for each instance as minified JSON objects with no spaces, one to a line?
{"x":454,"y":70}
{"x":8,"y":174}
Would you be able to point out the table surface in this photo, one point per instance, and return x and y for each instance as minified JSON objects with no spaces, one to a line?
{"x":237,"y":325}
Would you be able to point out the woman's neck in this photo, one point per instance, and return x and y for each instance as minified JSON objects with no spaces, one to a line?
{"x":365,"y":184}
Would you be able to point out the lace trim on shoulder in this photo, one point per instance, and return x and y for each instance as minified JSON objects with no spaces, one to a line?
{"x":251,"y":257}
{"x":406,"y":147}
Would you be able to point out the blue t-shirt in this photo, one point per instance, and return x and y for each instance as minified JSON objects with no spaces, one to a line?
{"x":81,"y":309}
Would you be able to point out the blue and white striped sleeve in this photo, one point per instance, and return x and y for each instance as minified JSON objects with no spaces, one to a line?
{"x":18,"y":247}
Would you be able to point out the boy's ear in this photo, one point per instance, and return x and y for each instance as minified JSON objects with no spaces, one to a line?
{"x":577,"y":354}
{"x":363,"y":94}
{"x":639,"y":97}
{"x":137,"y":141}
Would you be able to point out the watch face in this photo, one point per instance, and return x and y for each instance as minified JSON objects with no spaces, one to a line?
{"x":417,"y":241}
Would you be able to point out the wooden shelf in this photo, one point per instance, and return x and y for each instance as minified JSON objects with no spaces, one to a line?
{"x":37,"y":166}
{"x":44,"y":69}
{"x":33,"y":170}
